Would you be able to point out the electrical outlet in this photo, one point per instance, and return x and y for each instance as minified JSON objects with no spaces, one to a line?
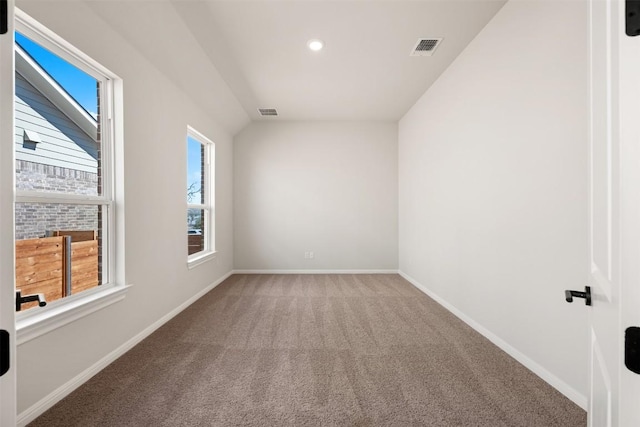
{"x":311,"y":255}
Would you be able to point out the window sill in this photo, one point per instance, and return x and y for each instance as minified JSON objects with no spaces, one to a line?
{"x":33,"y":323}
{"x":196,"y":260}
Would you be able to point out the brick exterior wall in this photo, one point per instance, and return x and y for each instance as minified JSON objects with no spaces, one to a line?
{"x":34,"y":220}
{"x":39,"y":177}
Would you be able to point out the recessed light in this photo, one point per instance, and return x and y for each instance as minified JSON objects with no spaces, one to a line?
{"x":315,"y":45}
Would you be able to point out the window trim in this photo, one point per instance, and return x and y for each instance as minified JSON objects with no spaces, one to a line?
{"x":208,"y":206}
{"x":33,"y":323}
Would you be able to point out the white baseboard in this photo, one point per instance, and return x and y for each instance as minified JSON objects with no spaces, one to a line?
{"x":61,"y":392}
{"x":315,"y":271}
{"x":564,"y":388}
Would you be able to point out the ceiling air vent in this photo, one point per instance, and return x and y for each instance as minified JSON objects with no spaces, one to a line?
{"x":425,"y":47}
{"x":268,"y":112}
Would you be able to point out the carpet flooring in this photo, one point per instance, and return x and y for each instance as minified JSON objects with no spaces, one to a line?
{"x":315,"y":350}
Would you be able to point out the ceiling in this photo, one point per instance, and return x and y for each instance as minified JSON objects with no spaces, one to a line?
{"x":258,"y":48}
{"x":364,"y":71}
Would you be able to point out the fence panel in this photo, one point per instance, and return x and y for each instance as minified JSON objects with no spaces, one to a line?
{"x":84,"y":265}
{"x":41,"y":265}
{"x":40,"y":268}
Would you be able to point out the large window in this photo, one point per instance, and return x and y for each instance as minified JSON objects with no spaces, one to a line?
{"x":65,"y":166}
{"x":200,"y":197}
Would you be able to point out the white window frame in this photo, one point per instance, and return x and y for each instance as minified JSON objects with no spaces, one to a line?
{"x":208,"y":206}
{"x":35,"y":322}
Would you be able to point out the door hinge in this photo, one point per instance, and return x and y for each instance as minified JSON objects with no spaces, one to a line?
{"x":632,"y":17}
{"x":4,"y":352}
{"x":4,"y":17}
{"x":632,"y":349}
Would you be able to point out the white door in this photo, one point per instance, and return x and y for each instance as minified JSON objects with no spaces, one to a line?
{"x":614,"y":211}
{"x":7,"y":289}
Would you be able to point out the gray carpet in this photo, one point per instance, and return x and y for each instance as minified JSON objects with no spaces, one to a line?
{"x":315,"y":350}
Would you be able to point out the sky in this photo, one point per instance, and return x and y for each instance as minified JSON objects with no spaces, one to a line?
{"x":77,"y":83}
{"x":194,"y":166}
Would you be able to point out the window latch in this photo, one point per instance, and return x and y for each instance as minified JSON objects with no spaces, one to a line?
{"x":29,"y":298}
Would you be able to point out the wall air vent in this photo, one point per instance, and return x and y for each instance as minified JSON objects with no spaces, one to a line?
{"x":425,"y":47}
{"x":31,"y":136}
{"x":268,"y":112}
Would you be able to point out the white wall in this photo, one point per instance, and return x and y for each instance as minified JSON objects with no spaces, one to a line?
{"x":156,"y":114}
{"x":493,"y":187}
{"x":326,"y":187}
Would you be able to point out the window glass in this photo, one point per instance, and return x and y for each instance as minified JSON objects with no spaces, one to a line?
{"x":57,"y":128}
{"x":195,"y":172}
{"x":195,"y":221}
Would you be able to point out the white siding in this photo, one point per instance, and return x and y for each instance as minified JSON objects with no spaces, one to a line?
{"x":63,"y":144}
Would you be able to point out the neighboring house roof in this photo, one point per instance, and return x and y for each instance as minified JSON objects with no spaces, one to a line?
{"x":28,"y":68}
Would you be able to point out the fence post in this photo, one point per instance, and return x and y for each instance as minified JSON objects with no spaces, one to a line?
{"x":67,"y":265}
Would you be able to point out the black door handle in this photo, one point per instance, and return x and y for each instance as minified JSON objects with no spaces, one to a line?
{"x":586,"y":295}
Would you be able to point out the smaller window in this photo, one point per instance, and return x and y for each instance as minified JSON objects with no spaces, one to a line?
{"x":200,"y":196}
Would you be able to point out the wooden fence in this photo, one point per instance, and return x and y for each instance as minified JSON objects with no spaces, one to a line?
{"x":195,"y":244}
{"x":49,"y":266}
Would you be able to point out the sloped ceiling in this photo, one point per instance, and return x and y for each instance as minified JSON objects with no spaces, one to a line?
{"x":156,"y":31}
{"x":363,"y":73}
{"x":258,"y":49}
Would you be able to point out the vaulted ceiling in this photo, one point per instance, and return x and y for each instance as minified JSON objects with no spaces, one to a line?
{"x":259,"y":49}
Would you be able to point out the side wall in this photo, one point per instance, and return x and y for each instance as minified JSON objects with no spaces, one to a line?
{"x":493,"y":187}
{"x":156,"y":115}
{"x":324,"y":187}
